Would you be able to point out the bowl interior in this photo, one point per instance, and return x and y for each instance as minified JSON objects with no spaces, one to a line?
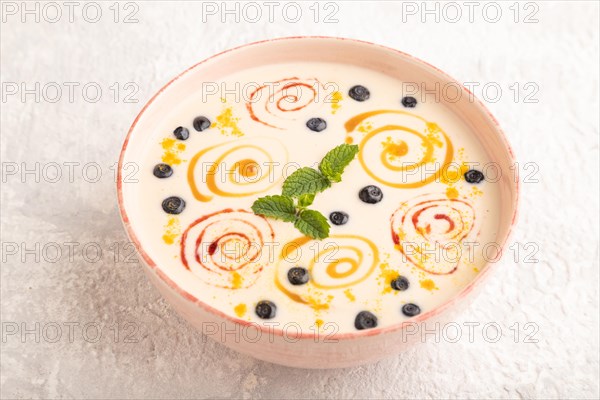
{"x":388,"y":61}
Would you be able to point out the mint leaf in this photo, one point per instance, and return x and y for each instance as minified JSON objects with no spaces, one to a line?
{"x":334,"y":162}
{"x":278,"y":207}
{"x":304,"y":184}
{"x":313,"y":224}
{"x":305,"y":180}
{"x":305,"y":200}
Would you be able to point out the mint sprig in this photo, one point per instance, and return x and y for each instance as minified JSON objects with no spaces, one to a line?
{"x":334,"y":162}
{"x":299,"y":190}
{"x":278,"y":207}
{"x":313,"y":224}
{"x":305,"y":181}
{"x":306,"y":199}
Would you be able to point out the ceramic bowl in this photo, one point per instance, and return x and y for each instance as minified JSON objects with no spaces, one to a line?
{"x":311,"y":350}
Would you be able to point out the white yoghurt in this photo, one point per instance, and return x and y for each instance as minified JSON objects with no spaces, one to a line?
{"x":279,"y":142}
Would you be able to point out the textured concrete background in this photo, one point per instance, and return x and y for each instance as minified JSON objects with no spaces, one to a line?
{"x":57,"y":296}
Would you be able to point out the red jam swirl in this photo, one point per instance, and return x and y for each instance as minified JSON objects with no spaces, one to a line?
{"x":225,"y":248}
{"x":267,"y":103}
{"x":430,"y":232}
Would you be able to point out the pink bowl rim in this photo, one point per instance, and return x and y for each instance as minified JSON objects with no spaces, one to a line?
{"x":485,"y":270}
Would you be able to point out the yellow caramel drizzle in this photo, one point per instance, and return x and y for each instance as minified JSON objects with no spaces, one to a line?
{"x":227,"y":124}
{"x":349,"y":294}
{"x":428,"y":284}
{"x":394,"y":150}
{"x":387,"y":275}
{"x":172,"y":150}
{"x":240,"y":309}
{"x":172,"y":230}
{"x":336,"y":98}
{"x":236,"y":280}
{"x":247,"y":168}
{"x":333,"y":269}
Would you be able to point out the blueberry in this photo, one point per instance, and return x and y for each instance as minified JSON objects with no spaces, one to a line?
{"x":298,"y":276}
{"x":410,"y":309}
{"x":201,"y":123}
{"x":370,"y":194}
{"x":162,"y":170}
{"x":400,"y":283}
{"x":365,"y":320}
{"x":266,"y":309}
{"x":474,"y":176}
{"x":316,"y":124}
{"x":173,"y":205}
{"x":409,"y":102}
{"x":359,"y":93}
{"x":181,"y":133}
{"x":338,"y":217}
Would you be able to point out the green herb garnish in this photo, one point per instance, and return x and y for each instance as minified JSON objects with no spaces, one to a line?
{"x":299,"y":190}
{"x":305,"y":181}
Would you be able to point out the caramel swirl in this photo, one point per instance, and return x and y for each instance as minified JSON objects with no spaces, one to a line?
{"x":429,"y":231}
{"x":235,"y":169}
{"x":225,"y":248}
{"x":406,"y":151}
{"x":338,"y":262}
